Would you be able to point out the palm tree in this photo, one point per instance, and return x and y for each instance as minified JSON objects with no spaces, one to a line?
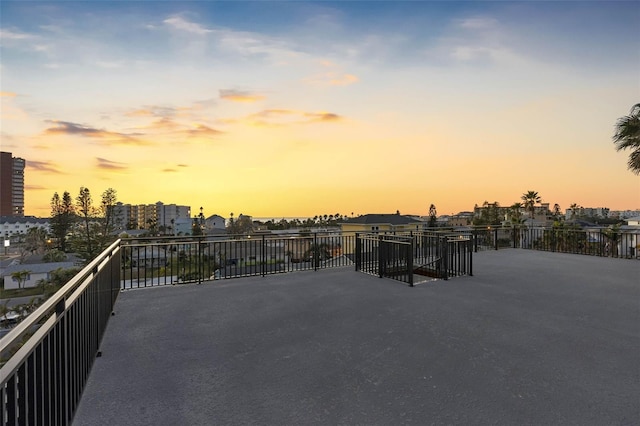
{"x":531,"y":198}
{"x":574,"y":210}
{"x":514,"y":213}
{"x":628,"y":136}
{"x":20,"y":277}
{"x":433,"y":216}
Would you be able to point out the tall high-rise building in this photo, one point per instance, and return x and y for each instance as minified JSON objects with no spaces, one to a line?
{"x":11,"y":185}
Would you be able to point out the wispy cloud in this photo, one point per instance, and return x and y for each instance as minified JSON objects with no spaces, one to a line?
{"x":204,"y":104}
{"x":332,"y":78}
{"x":153,"y":111}
{"x":170,"y":112}
{"x":164,"y":123}
{"x":140,"y":113}
{"x":477,"y":41}
{"x":284,"y":117}
{"x":5,"y":137}
{"x":331,"y":75}
{"x":250,"y":44}
{"x":200,"y":39}
{"x":43,"y":166}
{"x":181,"y":24}
{"x":202,"y":130}
{"x":10,"y":110}
{"x":240,"y":96}
{"x":35,"y":187}
{"x":322,"y":117}
{"x":477,"y":23}
{"x":110,"y":64}
{"x":14,"y":35}
{"x":104,"y":136}
{"x":174,"y":169}
{"x":104,"y":164}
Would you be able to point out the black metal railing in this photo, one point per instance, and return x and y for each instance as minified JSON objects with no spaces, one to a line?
{"x":196,"y":259}
{"x":443,"y":254}
{"x":171,"y":260}
{"x":389,"y":256}
{"x":589,"y":241}
{"x":401,"y":255}
{"x":47,"y":357}
{"x":594,"y":241}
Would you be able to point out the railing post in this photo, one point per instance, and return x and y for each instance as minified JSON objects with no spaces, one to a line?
{"x":470,"y":251}
{"x":315,"y":252}
{"x":381,"y":254}
{"x":495,"y":237}
{"x":264,"y":261}
{"x":474,"y":235}
{"x":410,"y":263}
{"x":444,"y":256}
{"x":358,"y":254}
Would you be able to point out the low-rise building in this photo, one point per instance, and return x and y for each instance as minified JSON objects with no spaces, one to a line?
{"x":11,"y":226}
{"x":36,"y":272}
{"x":378,"y":223}
{"x":214,"y":224}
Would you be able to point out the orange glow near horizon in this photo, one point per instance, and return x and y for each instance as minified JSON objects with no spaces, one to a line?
{"x":313,"y":108}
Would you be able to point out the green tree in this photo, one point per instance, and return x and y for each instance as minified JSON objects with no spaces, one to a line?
{"x":627,"y":136}
{"x":488,"y":214}
{"x":62,"y":218}
{"x":57,"y":279}
{"x":231,"y":225}
{"x":108,"y":211}
{"x":84,"y":206}
{"x":36,"y":239}
{"x":530,"y":199}
{"x":196,"y":227}
{"x":433,"y":216}
{"x":54,"y":255}
{"x":97,"y":223}
{"x":574,"y":210}
{"x":612,"y":234}
{"x":20,"y":277}
{"x":244,"y":224}
{"x":515,"y":216}
{"x":318,"y":252}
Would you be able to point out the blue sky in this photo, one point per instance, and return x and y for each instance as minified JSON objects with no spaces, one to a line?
{"x":294,"y":108}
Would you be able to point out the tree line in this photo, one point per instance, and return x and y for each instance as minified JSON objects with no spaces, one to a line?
{"x":80,"y":224}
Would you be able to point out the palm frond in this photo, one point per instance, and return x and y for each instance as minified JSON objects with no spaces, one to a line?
{"x":627,"y":136}
{"x":634,"y":161}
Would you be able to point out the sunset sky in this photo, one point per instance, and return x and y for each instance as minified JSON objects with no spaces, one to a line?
{"x":301,"y":108}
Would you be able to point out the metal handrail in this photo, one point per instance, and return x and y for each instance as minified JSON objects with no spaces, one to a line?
{"x":55,"y":301}
{"x":42,"y":382}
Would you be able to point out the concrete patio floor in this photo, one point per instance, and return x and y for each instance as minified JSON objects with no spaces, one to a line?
{"x":533,"y":338}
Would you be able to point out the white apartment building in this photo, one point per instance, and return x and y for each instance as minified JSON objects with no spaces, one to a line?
{"x":144,"y":216}
{"x":12,"y":226}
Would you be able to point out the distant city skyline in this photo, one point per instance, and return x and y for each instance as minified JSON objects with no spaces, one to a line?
{"x":290,"y":109}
